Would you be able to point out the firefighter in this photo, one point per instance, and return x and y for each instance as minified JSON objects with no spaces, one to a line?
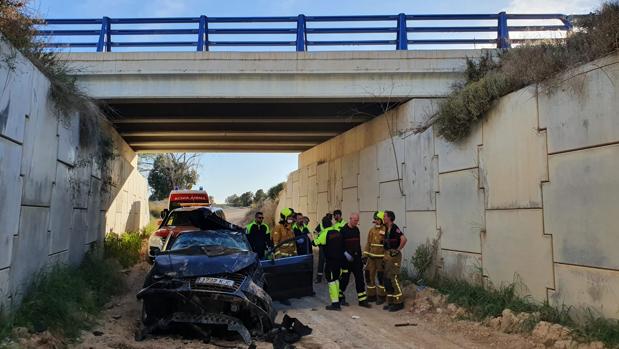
{"x":333,"y":246}
{"x":339,"y":221}
{"x":259,"y":235}
{"x":352,"y":251}
{"x":374,"y":253}
{"x":301,"y":232}
{"x":282,"y":232}
{"x":393,"y":244}
{"x":321,"y":253}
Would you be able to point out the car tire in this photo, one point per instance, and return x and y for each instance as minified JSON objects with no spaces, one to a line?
{"x":145,"y":320}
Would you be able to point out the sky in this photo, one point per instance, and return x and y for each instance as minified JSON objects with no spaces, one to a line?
{"x":223,"y":174}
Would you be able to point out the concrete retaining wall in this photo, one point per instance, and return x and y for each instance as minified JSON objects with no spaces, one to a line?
{"x":532,"y":195}
{"x":56,"y":202}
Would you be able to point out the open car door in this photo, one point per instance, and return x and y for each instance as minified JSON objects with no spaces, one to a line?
{"x":289,"y":277}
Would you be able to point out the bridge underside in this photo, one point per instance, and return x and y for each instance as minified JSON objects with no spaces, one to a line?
{"x":243,"y":125}
{"x":256,"y":101}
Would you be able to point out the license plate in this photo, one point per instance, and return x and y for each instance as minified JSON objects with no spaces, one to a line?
{"x":214,"y":281}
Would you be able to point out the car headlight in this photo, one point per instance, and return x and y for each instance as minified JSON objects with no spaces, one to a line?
{"x":156,"y":241}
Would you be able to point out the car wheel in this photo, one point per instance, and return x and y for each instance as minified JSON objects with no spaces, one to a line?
{"x":145,"y":319}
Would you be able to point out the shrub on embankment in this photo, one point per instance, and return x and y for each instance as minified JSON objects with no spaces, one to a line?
{"x":490,"y":303}
{"x":65,"y":300}
{"x":492,"y":77}
{"x":504,"y":308}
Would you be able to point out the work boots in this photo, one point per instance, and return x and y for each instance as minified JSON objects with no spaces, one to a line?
{"x":386,"y":306}
{"x":396,"y":307}
{"x":343,"y":302}
{"x":334,"y":306}
{"x":365,"y":304}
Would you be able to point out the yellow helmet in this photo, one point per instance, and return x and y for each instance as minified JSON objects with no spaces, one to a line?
{"x":379,"y":215}
{"x":286,"y":212}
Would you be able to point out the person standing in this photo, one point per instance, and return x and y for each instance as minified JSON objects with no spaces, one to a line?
{"x":301,"y":232}
{"x":374,"y":252}
{"x":339,"y":221}
{"x":259,"y":235}
{"x":352,"y":251}
{"x":333,"y":246}
{"x":283,"y":232}
{"x":394,"y":243}
{"x":321,"y":253}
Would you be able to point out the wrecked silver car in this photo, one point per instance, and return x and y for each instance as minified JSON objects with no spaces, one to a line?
{"x":209,"y":279}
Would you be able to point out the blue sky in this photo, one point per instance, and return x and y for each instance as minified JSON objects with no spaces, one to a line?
{"x":223,"y":174}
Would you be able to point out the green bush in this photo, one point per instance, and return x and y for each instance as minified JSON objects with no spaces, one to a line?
{"x":598,"y":328}
{"x":125,"y":248}
{"x":490,"y":78}
{"x":422,"y":259}
{"x":149,"y":228}
{"x":65,"y":299}
{"x":483,"y":302}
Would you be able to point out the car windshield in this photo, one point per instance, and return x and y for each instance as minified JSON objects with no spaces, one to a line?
{"x":212,"y":242}
{"x":178,"y":218}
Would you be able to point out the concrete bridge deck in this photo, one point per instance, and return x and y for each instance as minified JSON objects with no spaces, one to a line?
{"x":238,"y":101}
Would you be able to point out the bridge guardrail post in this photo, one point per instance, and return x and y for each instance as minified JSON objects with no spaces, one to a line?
{"x":203,"y":34}
{"x":567,"y":21}
{"x":402,"y":35}
{"x":301,"y":34}
{"x":105,"y":38}
{"x":503,"y":32}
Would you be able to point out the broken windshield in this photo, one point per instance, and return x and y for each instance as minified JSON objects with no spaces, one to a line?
{"x":212,"y":242}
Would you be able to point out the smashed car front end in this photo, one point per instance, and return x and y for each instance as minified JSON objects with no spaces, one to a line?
{"x":235,"y":300}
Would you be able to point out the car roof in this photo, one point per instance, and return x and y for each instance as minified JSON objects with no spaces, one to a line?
{"x":193,"y":208}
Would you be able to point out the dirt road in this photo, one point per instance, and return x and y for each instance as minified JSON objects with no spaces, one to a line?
{"x":354,"y":327}
{"x":235,"y":214}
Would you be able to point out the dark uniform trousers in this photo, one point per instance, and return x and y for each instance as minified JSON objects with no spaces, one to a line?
{"x":356,"y":268}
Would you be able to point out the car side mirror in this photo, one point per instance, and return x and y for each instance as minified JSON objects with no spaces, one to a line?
{"x":164,"y":213}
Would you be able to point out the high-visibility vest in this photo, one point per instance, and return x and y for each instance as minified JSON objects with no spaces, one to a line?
{"x":252,"y":223}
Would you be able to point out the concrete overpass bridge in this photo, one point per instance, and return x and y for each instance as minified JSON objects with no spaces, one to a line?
{"x":284,"y":101}
{"x":272,"y":101}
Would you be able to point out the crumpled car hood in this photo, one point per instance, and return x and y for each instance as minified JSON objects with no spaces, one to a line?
{"x":203,"y":265}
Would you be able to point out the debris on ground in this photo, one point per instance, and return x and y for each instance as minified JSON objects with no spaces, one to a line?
{"x":404,"y":324}
{"x":427,"y":300}
{"x":290,"y":331}
{"x":508,"y":322}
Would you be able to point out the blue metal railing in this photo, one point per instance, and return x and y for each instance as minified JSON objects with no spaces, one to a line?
{"x":206,"y":28}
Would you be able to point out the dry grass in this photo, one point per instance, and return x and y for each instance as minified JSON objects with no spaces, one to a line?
{"x":17,"y":25}
{"x":267,"y":207}
{"x":489,"y":78}
{"x":155,"y":207}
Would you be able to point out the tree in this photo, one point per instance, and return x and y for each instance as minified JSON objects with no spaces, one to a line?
{"x":259,"y":196}
{"x":171,"y":171}
{"x":273,"y":192}
{"x":246,"y":199}
{"x":233,"y":200}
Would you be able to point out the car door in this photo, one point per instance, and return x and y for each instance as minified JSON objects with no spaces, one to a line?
{"x":289,"y":277}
